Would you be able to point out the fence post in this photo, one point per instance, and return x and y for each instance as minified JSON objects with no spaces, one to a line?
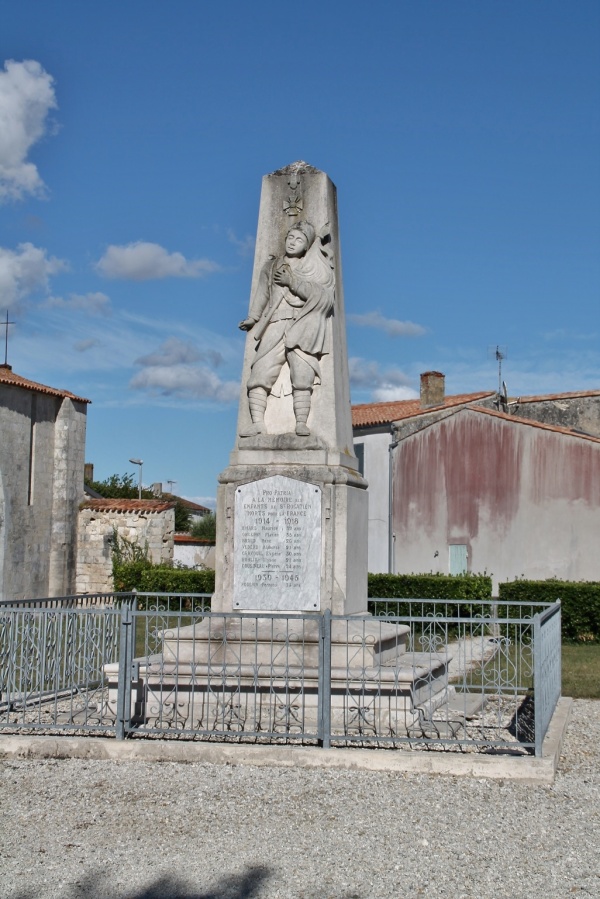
{"x":124,"y":681}
{"x":324,"y":707}
{"x":537,"y":685}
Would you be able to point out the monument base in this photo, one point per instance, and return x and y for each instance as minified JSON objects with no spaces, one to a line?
{"x":250,"y":675}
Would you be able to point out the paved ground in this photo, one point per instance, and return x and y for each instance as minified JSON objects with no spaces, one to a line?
{"x":80,"y":829}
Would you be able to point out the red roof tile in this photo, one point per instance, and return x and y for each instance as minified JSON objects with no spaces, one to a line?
{"x":195,"y":541}
{"x":369,"y":414}
{"x":8,"y":376}
{"x":187,"y":503}
{"x":127,"y":505}
{"x":556,"y":396}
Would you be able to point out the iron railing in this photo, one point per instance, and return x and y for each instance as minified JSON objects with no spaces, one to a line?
{"x":437,"y":674}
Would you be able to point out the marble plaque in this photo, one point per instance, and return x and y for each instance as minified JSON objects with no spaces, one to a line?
{"x":277,"y":546}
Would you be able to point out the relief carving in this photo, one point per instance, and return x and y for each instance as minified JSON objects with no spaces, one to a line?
{"x":288,"y":317}
{"x":294,"y":204}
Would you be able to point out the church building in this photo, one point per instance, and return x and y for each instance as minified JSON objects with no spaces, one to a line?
{"x":42,"y":445}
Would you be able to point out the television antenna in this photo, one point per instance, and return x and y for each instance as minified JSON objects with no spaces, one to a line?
{"x":170,"y":483}
{"x":499,"y":353}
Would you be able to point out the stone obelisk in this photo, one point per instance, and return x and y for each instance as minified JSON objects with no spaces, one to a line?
{"x":292,"y":506}
{"x":291,"y":519}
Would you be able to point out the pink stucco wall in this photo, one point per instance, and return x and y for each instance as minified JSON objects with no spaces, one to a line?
{"x":524,"y":499}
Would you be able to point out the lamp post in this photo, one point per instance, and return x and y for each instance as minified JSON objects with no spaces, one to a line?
{"x":140,"y":463}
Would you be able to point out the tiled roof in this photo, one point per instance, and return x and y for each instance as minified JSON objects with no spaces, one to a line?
{"x":369,"y":414}
{"x":194,"y":541}
{"x":556,"y":396}
{"x":187,"y":503}
{"x":515,"y":419}
{"x":127,"y":505}
{"x":8,"y":376}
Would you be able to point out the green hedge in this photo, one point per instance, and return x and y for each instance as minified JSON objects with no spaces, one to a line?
{"x":466,"y":587}
{"x":580,"y":604}
{"x":150,"y":578}
{"x":430,"y":586}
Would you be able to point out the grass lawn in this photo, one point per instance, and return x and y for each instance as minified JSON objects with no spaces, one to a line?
{"x":581,"y":671}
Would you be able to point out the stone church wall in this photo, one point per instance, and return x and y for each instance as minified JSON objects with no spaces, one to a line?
{"x":41,"y":485}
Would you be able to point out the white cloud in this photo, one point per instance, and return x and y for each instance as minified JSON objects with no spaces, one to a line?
{"x":192,"y":381}
{"x":390,"y":326}
{"x":26,"y":270}
{"x":26,"y":97}
{"x":176,"y":352}
{"x":170,"y":371}
{"x":209,"y":501}
{"x":94,"y":303}
{"x":143,"y":261}
{"x":391,"y":394}
{"x":384,"y":384}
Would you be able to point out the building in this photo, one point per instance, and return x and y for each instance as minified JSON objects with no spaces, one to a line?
{"x":146,"y":524}
{"x":480,"y":482}
{"x":194,"y":510}
{"x":42,"y":442}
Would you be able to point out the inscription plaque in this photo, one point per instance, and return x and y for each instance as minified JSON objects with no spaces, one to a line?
{"x":277,"y":546}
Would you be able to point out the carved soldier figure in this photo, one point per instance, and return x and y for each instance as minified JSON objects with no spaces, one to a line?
{"x":288,"y":320}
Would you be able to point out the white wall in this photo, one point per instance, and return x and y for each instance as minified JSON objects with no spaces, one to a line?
{"x":376,"y":471}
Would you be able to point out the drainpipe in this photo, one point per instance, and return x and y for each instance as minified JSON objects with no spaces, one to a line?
{"x":391,"y":535}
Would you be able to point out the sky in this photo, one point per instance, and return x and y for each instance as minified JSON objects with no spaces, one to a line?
{"x":464,"y":141}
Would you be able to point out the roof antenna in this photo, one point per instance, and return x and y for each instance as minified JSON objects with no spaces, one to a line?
{"x":499,"y":353}
{"x":5,"y":326}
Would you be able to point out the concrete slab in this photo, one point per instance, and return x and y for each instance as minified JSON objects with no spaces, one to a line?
{"x":525,"y":769}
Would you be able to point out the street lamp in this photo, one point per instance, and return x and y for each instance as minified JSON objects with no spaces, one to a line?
{"x":140,"y":463}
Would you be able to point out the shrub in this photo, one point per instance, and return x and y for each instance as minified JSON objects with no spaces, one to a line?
{"x":205,"y":528}
{"x":148,"y":578}
{"x":410,"y":587}
{"x":580,"y":604}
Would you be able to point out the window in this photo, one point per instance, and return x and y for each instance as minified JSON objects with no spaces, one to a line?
{"x":457,"y":558}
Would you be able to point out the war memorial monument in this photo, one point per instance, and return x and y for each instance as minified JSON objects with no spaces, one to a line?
{"x":291,"y":511}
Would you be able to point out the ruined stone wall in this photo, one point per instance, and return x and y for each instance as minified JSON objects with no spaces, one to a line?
{"x":94,"y":542}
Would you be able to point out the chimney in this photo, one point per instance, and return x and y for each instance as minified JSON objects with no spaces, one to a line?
{"x":433,"y":390}
{"x":157,"y":489}
{"x":88,"y":471}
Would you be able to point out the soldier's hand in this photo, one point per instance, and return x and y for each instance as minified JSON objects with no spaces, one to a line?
{"x":247,"y":324}
{"x":283,"y":276}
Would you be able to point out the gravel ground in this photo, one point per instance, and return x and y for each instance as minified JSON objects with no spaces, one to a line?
{"x":127,"y":830}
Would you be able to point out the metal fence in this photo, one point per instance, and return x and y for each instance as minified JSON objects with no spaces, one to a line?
{"x":436,"y":674}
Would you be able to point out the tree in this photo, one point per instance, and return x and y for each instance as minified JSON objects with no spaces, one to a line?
{"x":119,"y":486}
{"x":183,"y":518}
{"x":205,"y":528}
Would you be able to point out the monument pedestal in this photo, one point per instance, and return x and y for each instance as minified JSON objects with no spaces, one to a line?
{"x":264,"y":676}
{"x":292,"y":518}
{"x":293,"y":538}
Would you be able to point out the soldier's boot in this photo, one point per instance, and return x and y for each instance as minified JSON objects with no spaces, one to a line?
{"x":257,"y":401}
{"x":302,"y":400}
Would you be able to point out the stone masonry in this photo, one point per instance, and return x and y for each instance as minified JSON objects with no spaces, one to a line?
{"x":41,"y":485}
{"x":139,"y":522}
